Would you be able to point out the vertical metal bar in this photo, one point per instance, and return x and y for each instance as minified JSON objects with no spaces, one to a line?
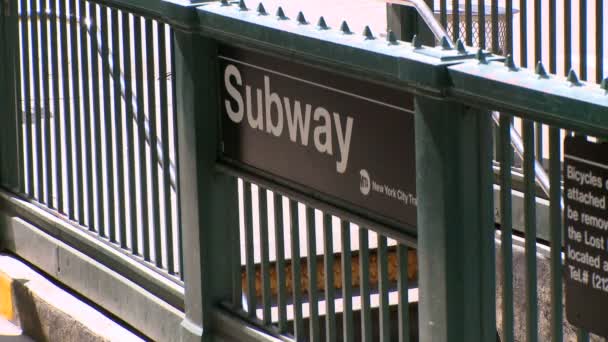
{"x":468,"y":21}
{"x":567,"y":36}
{"x":599,"y":41}
{"x":347,"y":282}
{"x":538,"y":46}
{"x":96,"y":114}
{"x":74,"y":47}
{"x":385,"y":330}
{"x":19,"y":74}
{"x":509,"y":33}
{"x":151,"y":96}
{"x":481,"y":24}
{"x":455,"y":20}
{"x":166,"y":149}
{"x":298,"y":324}
{"x":27,"y":104}
{"x":249,"y":258}
{"x":280,"y":262}
{"x":56,"y":105}
{"x":235,"y":249}
{"x":87,"y":165}
{"x":402,"y":289}
{"x":506,"y":161}
{"x":131,"y":116}
{"x":264,"y":253}
{"x":37,"y":100}
{"x":118,"y":125}
{"x":180,"y":253}
{"x":45,"y":110}
{"x":67,"y":111}
{"x":330,"y":309}
{"x":555,"y":222}
{"x":313,"y":303}
{"x":553,"y":37}
{"x":141,"y":133}
{"x":523,"y":33}
{"x":538,"y":141}
{"x":496,"y":45}
{"x":530,"y":231}
{"x":582,"y":40}
{"x":107,"y":123}
{"x":443,"y":13}
{"x":364,"y":286}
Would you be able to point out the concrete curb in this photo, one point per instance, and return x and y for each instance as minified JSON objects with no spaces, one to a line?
{"x":46,"y":312}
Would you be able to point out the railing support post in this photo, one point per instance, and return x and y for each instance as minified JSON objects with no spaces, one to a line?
{"x":455,"y":222}
{"x":9,"y":124}
{"x":208,"y":199}
{"x":405,"y":23}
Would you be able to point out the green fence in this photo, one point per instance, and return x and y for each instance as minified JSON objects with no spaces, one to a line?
{"x":126,"y":140}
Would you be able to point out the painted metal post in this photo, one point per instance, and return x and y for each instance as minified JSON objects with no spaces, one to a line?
{"x":209,"y":200}
{"x":455,"y":226}
{"x":9,"y":67}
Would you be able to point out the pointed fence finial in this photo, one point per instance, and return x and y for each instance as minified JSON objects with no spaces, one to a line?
{"x":416,"y":42}
{"x":262,"y":10}
{"x":573,"y":78}
{"x":300,"y":18}
{"x":322,"y":25}
{"x":604,"y":84}
{"x":392,"y":38}
{"x":344,"y":28}
{"x":460,"y":47}
{"x":224,"y":3}
{"x":509,"y":63}
{"x":242,"y":5}
{"x":367,"y":32}
{"x":481,"y":57}
{"x":445,"y":43}
{"x":540,"y":70}
{"x":280,"y":14}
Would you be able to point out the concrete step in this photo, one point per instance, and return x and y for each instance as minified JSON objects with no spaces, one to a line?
{"x":11,"y":333}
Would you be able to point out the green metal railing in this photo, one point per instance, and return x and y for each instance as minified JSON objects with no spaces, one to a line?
{"x":96,"y":125}
{"x":107,"y":95}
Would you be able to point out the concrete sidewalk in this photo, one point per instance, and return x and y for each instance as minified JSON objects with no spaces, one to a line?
{"x":31,"y":305}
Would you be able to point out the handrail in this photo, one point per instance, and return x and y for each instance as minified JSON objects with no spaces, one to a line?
{"x":427,"y":15}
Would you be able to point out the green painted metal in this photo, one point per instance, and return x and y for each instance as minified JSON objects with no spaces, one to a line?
{"x":141,"y":133}
{"x":131,"y":138}
{"x":582,"y":39}
{"x":530,"y":244}
{"x":27,"y":104}
{"x":364,"y":286}
{"x":567,"y":36}
{"x":347,"y":290}
{"x":402,"y":287}
{"x":330,"y":308}
{"x":599,"y":43}
{"x":78,"y":195}
{"x":313,"y":292}
{"x":166,"y":148}
{"x":207,"y":198}
{"x":556,"y":235}
{"x":298,"y":324}
{"x":450,"y":220}
{"x":384,"y":324}
{"x":280,"y":262}
{"x":120,"y":223}
{"x":88,"y":161}
{"x":99,"y":225}
{"x":506,"y":227}
{"x":109,"y":171}
{"x":45,"y":105}
{"x":249,"y":257}
{"x":264,"y":253}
